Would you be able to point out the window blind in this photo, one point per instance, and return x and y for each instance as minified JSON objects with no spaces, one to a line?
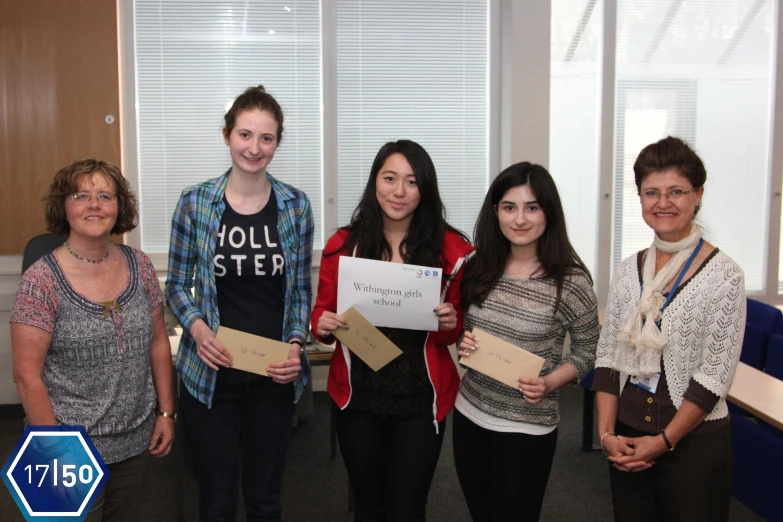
{"x":414,"y":70}
{"x":192,"y":59}
{"x":700,"y":70}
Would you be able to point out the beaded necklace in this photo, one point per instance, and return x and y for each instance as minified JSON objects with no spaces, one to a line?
{"x":81,"y":258}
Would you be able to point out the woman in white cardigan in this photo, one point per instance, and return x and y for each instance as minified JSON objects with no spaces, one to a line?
{"x":670,"y":345}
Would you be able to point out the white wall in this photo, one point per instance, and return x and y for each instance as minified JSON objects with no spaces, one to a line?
{"x":10,"y":267}
{"x":738,"y":170}
{"x":574,"y":155}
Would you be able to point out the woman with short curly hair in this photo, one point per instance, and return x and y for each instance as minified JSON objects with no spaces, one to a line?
{"x":88,"y":338}
{"x":67,"y":182}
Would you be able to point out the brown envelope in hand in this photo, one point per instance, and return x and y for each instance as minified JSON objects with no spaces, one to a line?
{"x":366,"y":341}
{"x":252,"y":353}
{"x":502,"y":360}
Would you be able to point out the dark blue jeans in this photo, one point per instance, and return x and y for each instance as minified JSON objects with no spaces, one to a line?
{"x":251,"y":418}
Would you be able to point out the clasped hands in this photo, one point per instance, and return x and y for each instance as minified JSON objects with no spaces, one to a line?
{"x":633,"y":453}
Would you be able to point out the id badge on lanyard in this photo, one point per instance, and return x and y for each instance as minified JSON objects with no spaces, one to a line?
{"x":650,"y":382}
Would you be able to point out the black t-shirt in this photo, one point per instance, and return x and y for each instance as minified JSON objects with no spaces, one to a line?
{"x":250,"y":271}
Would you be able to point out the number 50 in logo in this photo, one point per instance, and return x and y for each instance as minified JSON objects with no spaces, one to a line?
{"x":54,"y":471}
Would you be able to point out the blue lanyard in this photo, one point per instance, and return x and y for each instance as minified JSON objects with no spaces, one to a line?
{"x":685,"y":268}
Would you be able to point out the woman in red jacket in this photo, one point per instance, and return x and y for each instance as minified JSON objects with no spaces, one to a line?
{"x":390,"y":423}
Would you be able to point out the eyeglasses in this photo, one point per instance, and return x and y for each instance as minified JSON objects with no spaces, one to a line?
{"x":653,"y":195}
{"x":83,"y":198}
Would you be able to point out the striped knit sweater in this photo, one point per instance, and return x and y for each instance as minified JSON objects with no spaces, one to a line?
{"x":521,"y":311}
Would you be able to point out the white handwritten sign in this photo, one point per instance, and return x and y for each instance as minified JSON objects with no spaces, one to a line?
{"x":390,"y":294}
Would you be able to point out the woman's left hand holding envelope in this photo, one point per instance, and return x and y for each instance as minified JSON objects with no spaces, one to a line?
{"x":534,"y":389}
{"x":447,"y":317}
{"x":283,"y":372}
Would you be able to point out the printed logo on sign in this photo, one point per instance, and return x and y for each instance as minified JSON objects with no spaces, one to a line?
{"x":418,"y":273}
{"x":427,"y":273}
{"x":435,"y":273}
{"x":54,"y":471}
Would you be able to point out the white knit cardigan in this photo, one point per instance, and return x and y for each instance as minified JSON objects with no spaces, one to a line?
{"x":705,"y":325}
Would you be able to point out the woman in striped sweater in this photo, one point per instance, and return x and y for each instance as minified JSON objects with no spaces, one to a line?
{"x":526,"y":285}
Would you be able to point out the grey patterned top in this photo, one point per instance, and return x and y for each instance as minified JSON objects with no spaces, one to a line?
{"x":521,"y":311}
{"x":97,"y":370}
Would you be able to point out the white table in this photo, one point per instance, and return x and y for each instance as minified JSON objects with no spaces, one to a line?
{"x":758,"y":393}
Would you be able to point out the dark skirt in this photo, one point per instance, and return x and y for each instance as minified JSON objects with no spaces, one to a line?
{"x":691,"y":483}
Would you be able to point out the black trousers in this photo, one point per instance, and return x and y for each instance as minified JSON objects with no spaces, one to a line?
{"x":691,"y":483}
{"x":390,"y":462}
{"x":121,"y":492}
{"x":256,"y":410}
{"x":503,"y":475}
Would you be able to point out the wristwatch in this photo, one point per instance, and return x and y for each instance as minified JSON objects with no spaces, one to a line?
{"x":172,"y":416}
{"x":300,"y":343}
{"x":666,"y":440}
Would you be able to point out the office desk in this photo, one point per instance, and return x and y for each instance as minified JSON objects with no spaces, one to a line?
{"x":321,"y":355}
{"x":758,"y":393}
{"x":174,"y":342}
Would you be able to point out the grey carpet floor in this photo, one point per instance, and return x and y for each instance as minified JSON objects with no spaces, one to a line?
{"x":315,"y":488}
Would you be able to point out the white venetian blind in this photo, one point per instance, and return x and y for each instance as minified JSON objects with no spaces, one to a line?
{"x":193,"y":58}
{"x":700,"y":70}
{"x":418,"y":70}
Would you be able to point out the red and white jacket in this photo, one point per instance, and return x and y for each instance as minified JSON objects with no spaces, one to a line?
{"x":440,"y":366}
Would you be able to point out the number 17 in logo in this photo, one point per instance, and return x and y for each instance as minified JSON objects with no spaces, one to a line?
{"x":55,"y":471}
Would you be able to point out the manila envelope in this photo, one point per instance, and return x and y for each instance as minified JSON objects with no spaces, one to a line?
{"x":502,"y":360}
{"x":366,"y":341}
{"x":252,"y":353}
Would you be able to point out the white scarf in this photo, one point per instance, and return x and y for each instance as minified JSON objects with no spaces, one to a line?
{"x":640,"y":341}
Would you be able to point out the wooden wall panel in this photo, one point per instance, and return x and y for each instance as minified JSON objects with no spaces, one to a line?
{"x":59,"y":79}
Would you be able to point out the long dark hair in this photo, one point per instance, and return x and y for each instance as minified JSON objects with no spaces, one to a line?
{"x":555,"y":253}
{"x":423,"y":242}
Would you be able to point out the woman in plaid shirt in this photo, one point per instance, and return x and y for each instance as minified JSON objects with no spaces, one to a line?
{"x":240,"y":257}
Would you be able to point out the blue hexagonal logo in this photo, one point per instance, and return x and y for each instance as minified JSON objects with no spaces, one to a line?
{"x":54,"y":473}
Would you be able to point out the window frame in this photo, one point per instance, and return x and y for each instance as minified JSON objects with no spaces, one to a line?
{"x":607,"y":160}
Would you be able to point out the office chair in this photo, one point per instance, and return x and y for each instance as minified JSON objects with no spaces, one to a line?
{"x":38,"y":247}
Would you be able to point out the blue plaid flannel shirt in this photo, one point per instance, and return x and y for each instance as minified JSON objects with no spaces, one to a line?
{"x":194,"y":230}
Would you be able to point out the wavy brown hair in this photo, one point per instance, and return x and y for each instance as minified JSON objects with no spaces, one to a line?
{"x":254,"y":98}
{"x":66,"y":182}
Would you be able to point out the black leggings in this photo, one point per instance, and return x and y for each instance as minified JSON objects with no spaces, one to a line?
{"x":390,"y":462}
{"x":503,"y":475}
